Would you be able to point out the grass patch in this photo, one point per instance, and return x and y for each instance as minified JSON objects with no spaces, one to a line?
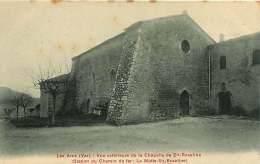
{"x":30,"y":122}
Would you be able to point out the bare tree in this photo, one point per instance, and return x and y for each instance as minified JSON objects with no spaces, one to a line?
{"x":8,"y":112}
{"x":16,"y":101}
{"x":46,"y":81}
{"x":25,"y":101}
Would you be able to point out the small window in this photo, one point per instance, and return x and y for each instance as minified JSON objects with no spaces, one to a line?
{"x":185,"y":46}
{"x":256,"y":57}
{"x":223,"y":62}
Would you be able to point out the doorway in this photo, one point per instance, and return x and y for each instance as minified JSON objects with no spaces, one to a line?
{"x":184,"y":103}
{"x":224,"y":102}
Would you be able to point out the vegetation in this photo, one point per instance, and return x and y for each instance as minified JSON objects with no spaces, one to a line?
{"x":11,"y":100}
{"x":21,"y":100}
{"x":7,"y":112}
{"x":25,"y":101}
{"x":83,"y":120}
{"x":30,"y":122}
{"x":15,"y":101}
{"x":45,"y":81}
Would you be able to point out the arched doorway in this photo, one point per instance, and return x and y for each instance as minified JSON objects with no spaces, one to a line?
{"x":184,"y":103}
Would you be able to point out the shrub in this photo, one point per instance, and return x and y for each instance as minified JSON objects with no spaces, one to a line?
{"x":30,"y":122}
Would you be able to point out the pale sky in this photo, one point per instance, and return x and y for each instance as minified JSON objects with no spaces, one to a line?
{"x":33,"y":33}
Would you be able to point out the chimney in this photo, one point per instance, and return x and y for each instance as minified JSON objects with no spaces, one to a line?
{"x":221,"y":37}
{"x":185,"y":12}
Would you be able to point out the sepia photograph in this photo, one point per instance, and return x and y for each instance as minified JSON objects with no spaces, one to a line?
{"x":137,"y":82}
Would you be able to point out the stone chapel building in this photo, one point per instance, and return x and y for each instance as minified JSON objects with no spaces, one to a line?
{"x":161,"y":69}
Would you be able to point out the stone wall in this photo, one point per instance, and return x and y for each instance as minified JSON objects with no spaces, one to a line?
{"x":69,"y":105}
{"x":94,"y":73}
{"x":120,"y":91}
{"x":158,"y":71}
{"x":240,"y":76}
{"x":46,"y":101}
{"x":161,"y":70}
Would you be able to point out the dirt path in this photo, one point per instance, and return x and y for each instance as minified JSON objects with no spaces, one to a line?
{"x":188,"y":133}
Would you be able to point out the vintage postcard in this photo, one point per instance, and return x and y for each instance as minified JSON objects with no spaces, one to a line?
{"x":129,"y":82}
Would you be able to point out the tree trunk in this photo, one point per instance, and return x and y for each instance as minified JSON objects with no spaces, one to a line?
{"x":53,"y":110}
{"x":24,"y":112}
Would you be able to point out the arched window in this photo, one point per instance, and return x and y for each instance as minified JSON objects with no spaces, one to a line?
{"x":185,"y":46}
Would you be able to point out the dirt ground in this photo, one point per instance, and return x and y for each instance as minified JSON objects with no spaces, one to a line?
{"x":214,"y":134}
